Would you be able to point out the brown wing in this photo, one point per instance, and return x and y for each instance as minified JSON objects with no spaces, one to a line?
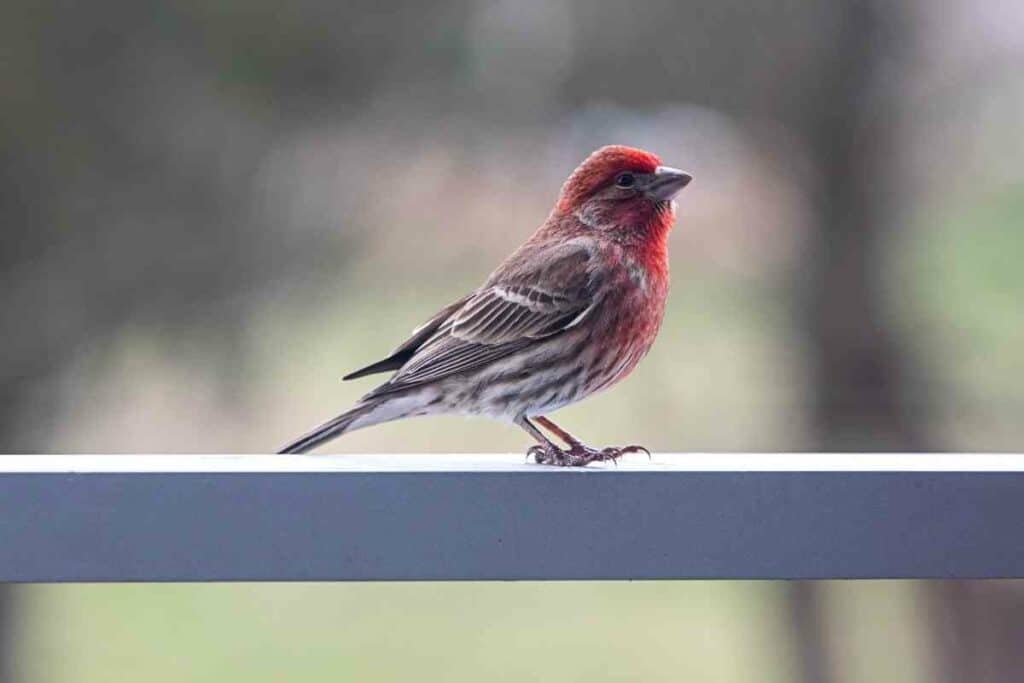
{"x":505,"y":313}
{"x":537,"y":293}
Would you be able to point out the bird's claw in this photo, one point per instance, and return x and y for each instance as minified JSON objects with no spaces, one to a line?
{"x":635,"y":449}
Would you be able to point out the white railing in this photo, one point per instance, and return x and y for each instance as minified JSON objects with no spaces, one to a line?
{"x":425,"y":517}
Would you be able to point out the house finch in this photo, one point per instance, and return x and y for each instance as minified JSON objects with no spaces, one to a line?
{"x":569,"y":313}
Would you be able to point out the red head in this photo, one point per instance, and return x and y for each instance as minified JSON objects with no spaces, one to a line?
{"x":622,"y":189}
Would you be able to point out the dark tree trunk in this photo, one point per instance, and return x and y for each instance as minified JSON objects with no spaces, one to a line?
{"x":806,"y":622}
{"x":978,"y":630}
{"x":858,"y":370}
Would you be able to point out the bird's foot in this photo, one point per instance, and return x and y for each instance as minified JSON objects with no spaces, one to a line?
{"x":550,"y":454}
{"x":580,"y":454}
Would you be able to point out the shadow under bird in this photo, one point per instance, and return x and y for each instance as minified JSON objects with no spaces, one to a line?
{"x":571,"y":312}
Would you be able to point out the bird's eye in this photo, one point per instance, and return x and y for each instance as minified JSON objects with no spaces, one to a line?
{"x":625,"y":180}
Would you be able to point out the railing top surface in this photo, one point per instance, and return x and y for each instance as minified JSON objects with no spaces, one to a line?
{"x":496,"y":517}
{"x":506,"y":462}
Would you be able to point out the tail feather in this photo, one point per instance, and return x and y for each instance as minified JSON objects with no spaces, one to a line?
{"x":328,"y":430}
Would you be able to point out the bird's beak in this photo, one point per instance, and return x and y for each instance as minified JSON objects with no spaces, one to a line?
{"x":666,"y":182}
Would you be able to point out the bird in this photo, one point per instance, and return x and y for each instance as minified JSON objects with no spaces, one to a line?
{"x":569,"y":313}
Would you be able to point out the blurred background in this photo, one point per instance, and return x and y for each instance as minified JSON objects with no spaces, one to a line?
{"x":213,"y":209}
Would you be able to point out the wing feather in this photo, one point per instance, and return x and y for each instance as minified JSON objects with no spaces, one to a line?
{"x":505,"y":313}
{"x":521,"y":304}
